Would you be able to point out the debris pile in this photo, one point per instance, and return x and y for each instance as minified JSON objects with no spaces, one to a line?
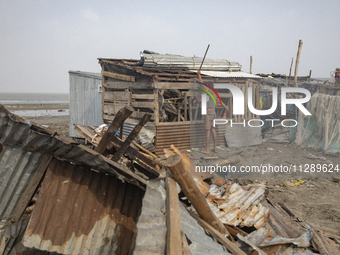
{"x":113,"y":196}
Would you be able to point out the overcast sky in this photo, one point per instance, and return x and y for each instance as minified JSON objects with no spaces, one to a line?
{"x":42,"y":40}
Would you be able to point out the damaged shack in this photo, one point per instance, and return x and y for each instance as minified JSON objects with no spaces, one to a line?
{"x":159,"y":84}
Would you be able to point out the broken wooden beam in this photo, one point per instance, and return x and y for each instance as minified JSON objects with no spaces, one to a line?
{"x":120,"y":117}
{"x":148,"y":164}
{"x":182,"y":176}
{"x":131,"y":137}
{"x":145,"y":150}
{"x":173,"y":219}
{"x":116,"y":76}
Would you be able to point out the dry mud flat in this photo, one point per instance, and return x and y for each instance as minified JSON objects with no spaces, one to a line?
{"x":58,"y":123}
{"x":315,"y":201}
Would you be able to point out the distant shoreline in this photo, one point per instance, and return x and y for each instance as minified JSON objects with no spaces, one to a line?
{"x":23,"y":107}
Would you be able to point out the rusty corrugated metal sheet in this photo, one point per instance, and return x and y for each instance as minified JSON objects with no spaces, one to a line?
{"x":281,"y":224}
{"x":185,"y":136}
{"x":83,"y":212}
{"x":239,"y":206}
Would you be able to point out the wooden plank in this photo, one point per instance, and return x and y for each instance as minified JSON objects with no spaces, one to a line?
{"x":131,"y":137}
{"x":219,"y":237}
{"x":116,"y":76}
{"x":143,"y":96}
{"x":31,"y":188}
{"x":145,"y":150}
{"x":121,"y":95}
{"x":173,"y":219}
{"x":121,"y":116}
{"x":139,"y":104}
{"x":172,"y":85}
{"x":129,"y":85}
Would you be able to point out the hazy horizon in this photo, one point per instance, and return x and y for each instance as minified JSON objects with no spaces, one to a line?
{"x":42,"y":40}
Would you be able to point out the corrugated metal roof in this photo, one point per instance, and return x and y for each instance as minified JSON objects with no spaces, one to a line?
{"x":171,"y":61}
{"x":86,"y":74}
{"x":83,"y":212}
{"x":151,"y":237}
{"x":238,"y":74}
{"x":16,"y":132}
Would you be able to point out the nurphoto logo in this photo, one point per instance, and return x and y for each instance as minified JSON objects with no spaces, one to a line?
{"x":238,"y":103}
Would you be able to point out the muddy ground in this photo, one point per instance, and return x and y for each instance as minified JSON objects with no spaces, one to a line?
{"x":57,"y":123}
{"x":315,"y":201}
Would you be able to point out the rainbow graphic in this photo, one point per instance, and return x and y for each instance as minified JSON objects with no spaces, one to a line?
{"x":209,"y":93}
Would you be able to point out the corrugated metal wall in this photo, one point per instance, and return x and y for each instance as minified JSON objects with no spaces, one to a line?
{"x":83,"y":212}
{"x":85,"y":100}
{"x":185,"y":136}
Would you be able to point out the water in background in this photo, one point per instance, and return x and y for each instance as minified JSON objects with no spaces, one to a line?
{"x":34,"y":98}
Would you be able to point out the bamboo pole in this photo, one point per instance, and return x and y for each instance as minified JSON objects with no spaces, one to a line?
{"x":297,"y":62}
{"x":177,"y":168}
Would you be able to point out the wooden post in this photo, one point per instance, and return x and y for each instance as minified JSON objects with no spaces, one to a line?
{"x":290,"y":71}
{"x":185,"y":106}
{"x":310,"y":75}
{"x":177,"y":168}
{"x":251,"y":65}
{"x":173,"y":219}
{"x":297,"y":63}
{"x":31,"y":188}
{"x":155,"y":91}
{"x":120,"y":117}
{"x":131,"y":137}
{"x":190,"y":108}
{"x":114,"y":102}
